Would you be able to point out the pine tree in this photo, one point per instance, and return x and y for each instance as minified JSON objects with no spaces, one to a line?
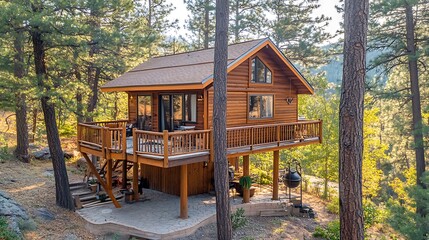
{"x":296,"y":32}
{"x":15,"y":81}
{"x":351,"y":119}
{"x":201,"y":22}
{"x":224,"y":227}
{"x":246,"y":19}
{"x":399,"y":29}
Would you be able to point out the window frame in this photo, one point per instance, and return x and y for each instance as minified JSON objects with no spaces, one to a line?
{"x":151,"y":106}
{"x":249,"y":95}
{"x":265,"y":74}
{"x":184,"y":105}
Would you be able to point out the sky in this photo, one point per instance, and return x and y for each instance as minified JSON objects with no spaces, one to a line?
{"x":327,"y":7}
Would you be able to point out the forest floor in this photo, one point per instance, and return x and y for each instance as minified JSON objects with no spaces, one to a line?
{"x":32,"y":185}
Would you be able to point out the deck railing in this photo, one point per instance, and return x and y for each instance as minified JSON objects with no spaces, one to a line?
{"x":104,"y":137}
{"x":250,"y":136}
{"x":176,"y":143}
{"x":110,"y":138}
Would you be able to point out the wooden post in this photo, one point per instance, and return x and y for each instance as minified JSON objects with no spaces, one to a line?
{"x":79,"y":136}
{"x":136,"y":181}
{"x":124,"y":174}
{"x":165,"y":137}
{"x":124,"y":141}
{"x":276,"y":175}
{"x":184,"y":191}
{"x":246,"y":172}
{"x":103,"y":184}
{"x":206,"y":109}
{"x":211,"y":145}
{"x":320,"y":131}
{"x":109,"y":173}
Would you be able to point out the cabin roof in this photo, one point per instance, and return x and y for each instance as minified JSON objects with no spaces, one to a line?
{"x":194,"y":70}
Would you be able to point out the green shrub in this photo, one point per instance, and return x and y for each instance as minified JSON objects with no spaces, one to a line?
{"x":262,"y":177}
{"x":334,"y":205}
{"x":67,"y":130}
{"x":5,"y":232}
{"x":370,"y":213}
{"x":238,"y":219}
{"x":331,"y":232}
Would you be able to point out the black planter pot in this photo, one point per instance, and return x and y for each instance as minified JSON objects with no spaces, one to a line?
{"x":292,"y":179}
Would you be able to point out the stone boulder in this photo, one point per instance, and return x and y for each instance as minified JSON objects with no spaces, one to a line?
{"x":45,"y":154}
{"x":14,"y":212}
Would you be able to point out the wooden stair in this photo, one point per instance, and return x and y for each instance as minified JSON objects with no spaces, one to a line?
{"x":274,"y":213}
{"x":84,"y":197}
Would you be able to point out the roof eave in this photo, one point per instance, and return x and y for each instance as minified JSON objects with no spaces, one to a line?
{"x":169,"y":87}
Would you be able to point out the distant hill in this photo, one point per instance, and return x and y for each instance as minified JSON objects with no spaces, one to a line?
{"x":334,"y":70}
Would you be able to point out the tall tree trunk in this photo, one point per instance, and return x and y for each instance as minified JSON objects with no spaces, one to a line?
{"x":415,"y":99}
{"x":351,"y":119}
{"x":21,"y":150}
{"x":93,"y":71}
{"x":92,"y":103}
{"x":79,"y":106}
{"x":224,"y":228}
{"x":34,"y":123}
{"x":62,"y":190}
{"x":206,"y":24}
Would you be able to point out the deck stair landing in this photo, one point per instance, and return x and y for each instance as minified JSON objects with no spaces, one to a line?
{"x":83,"y":197}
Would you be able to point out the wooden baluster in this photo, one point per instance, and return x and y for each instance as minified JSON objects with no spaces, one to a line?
{"x":165,"y":138}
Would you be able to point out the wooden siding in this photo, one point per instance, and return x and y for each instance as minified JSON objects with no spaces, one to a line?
{"x":239,"y":88}
{"x":132,"y":108}
{"x":168,"y":179}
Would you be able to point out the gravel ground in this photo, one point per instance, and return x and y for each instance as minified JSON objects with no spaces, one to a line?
{"x":274,"y":227}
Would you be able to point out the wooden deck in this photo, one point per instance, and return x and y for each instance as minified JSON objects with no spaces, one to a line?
{"x":168,"y":149}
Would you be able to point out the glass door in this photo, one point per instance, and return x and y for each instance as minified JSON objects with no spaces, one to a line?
{"x":165,"y":116}
{"x":144,"y":112}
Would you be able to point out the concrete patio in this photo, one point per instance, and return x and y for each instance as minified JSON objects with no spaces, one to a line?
{"x":156,"y":215}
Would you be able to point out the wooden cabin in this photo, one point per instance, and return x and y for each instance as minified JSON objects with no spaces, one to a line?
{"x":170,"y":107}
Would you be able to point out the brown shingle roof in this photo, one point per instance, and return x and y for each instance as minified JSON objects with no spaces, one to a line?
{"x":188,"y":69}
{"x":184,"y":68}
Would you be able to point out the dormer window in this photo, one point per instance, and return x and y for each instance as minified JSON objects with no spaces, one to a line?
{"x":260,"y":72}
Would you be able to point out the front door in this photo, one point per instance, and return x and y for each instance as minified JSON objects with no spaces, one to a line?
{"x":171,"y":112}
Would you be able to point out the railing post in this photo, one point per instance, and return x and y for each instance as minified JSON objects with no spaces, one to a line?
{"x":165,"y":137}
{"x":103,"y":144}
{"x":278,"y":135}
{"x":320,"y":131}
{"x":79,"y":136}
{"x":211,"y":145}
{"x":135,"y":147}
{"x":124,"y":141}
{"x":251,"y":138}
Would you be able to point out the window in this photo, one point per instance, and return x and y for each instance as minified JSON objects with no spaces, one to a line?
{"x":144,"y":111}
{"x":260,"y":72}
{"x":261,"y":106}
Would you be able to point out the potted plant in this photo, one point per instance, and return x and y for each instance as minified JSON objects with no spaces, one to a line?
{"x":93,"y":185}
{"x":245,"y":182}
